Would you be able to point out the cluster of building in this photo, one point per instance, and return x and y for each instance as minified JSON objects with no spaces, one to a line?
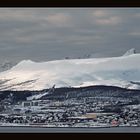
{"x":86,"y":112}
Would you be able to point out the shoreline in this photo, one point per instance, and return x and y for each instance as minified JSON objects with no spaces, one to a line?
{"x":32,"y":129}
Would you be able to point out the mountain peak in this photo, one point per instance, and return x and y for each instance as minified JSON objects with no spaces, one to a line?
{"x":25,"y":61}
{"x":130,"y":52}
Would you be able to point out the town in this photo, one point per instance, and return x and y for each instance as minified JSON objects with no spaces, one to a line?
{"x":90,"y":111}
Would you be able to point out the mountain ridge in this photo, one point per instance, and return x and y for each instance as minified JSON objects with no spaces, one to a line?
{"x":120,"y":71}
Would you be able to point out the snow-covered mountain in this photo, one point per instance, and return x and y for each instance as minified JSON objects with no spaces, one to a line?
{"x":123,"y":71}
{"x":6,"y":65}
{"x":129,"y":52}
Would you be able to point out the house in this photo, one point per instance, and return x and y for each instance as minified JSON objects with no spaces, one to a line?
{"x":29,"y":103}
{"x":26,"y":103}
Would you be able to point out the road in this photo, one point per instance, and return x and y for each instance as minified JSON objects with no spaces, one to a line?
{"x":6,"y":129}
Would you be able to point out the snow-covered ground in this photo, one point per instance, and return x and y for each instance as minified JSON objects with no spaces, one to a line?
{"x":113,"y":71}
{"x":58,"y":125}
{"x":35,"y":97}
{"x":13,"y":124}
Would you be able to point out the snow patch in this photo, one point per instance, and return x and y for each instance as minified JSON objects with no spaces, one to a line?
{"x":130,"y":52}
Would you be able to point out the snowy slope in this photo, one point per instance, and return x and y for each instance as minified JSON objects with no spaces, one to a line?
{"x":38,"y":96}
{"x":6,"y":65}
{"x":129,"y":52}
{"x":123,"y":71}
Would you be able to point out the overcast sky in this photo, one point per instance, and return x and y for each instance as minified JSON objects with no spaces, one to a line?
{"x":42,"y":34}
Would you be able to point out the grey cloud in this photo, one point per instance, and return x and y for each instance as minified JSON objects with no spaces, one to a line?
{"x":53,"y":33}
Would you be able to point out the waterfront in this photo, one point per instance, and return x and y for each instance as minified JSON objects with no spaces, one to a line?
{"x":6,"y":129}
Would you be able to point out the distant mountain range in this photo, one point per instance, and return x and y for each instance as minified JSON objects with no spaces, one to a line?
{"x":123,"y":71}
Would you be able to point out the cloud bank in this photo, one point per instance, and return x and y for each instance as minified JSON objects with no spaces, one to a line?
{"x":42,"y":34}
